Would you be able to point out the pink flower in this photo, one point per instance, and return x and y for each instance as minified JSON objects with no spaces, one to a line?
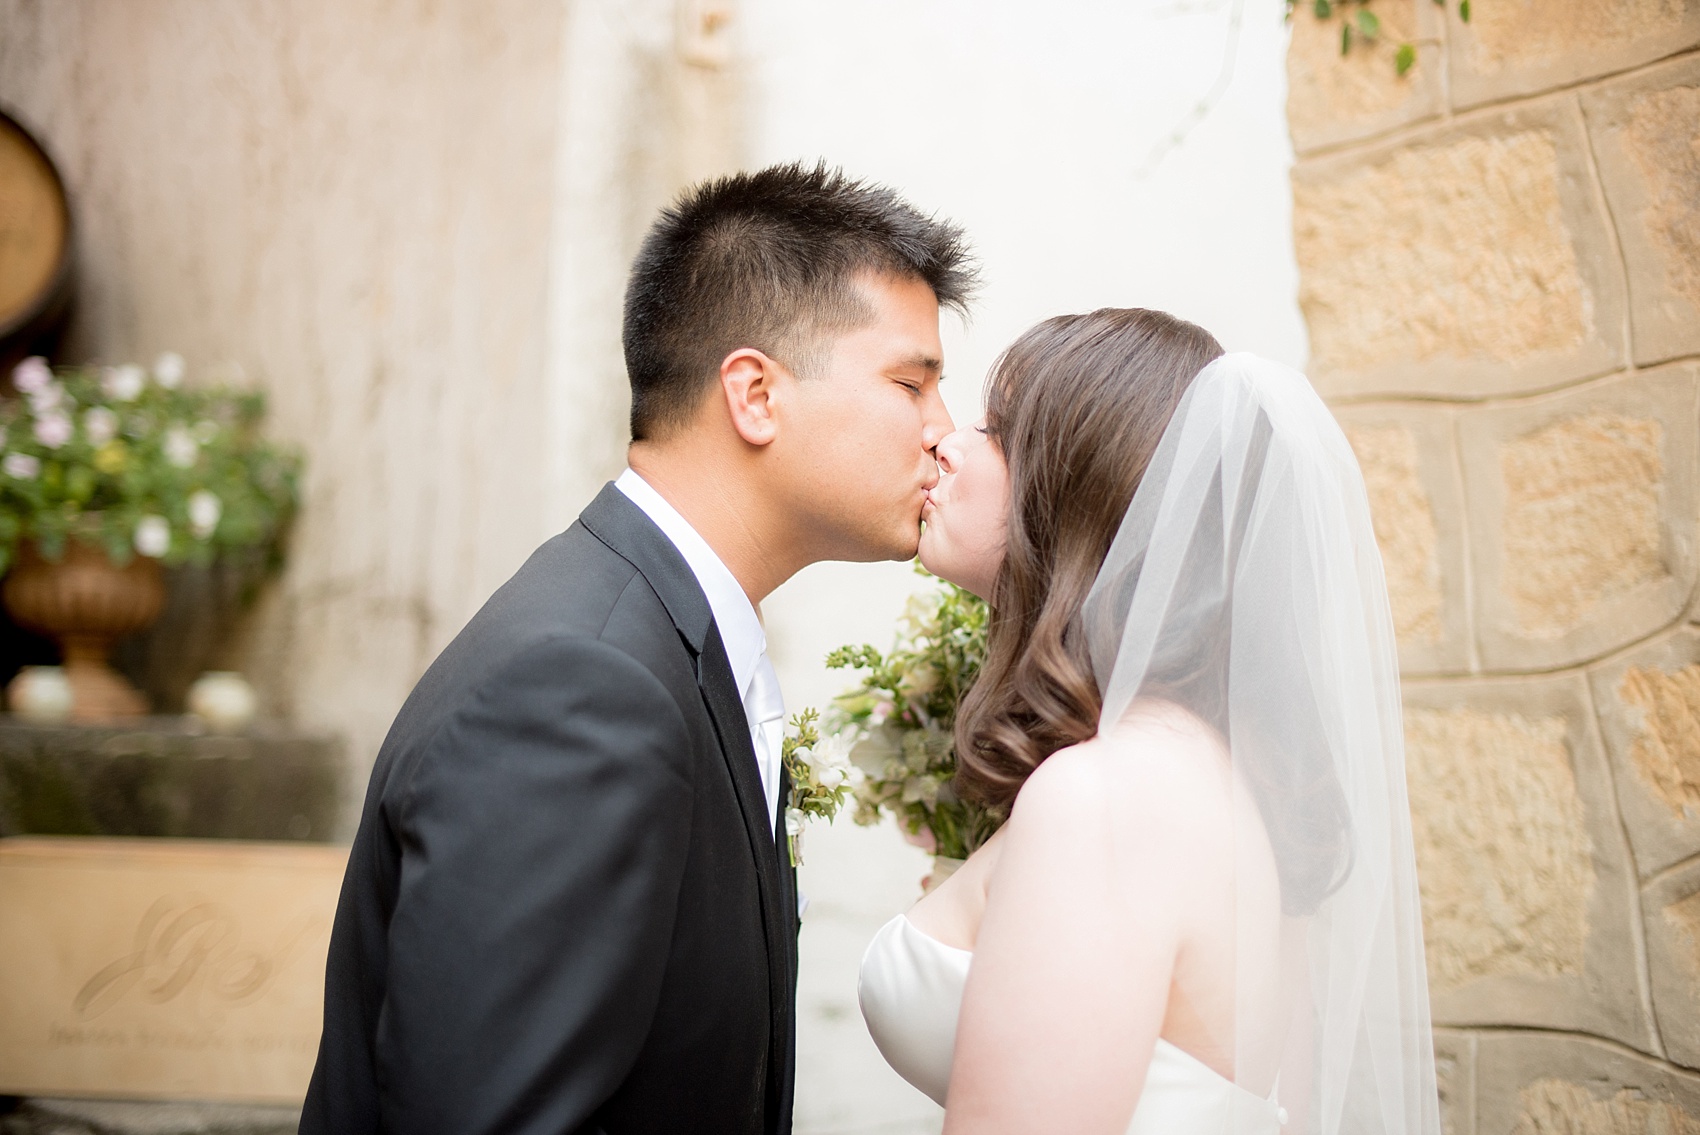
{"x":53,"y":429}
{"x":49,"y":397}
{"x":204,"y":510}
{"x":181,"y":448}
{"x":100,"y":426}
{"x":153,"y":536}
{"x":123,"y":384}
{"x":32,"y":374}
{"x":22,"y":466}
{"x":168,"y":370}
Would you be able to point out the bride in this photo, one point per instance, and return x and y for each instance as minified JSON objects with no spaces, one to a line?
{"x":1201,"y":915}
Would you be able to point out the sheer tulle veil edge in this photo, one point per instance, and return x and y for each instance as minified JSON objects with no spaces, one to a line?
{"x":1244,"y":583}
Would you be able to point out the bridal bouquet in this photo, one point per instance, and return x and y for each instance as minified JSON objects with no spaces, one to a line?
{"x":898,"y":721}
{"x":891,"y":746}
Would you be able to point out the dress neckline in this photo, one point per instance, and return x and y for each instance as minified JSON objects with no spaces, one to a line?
{"x":1169,"y":1046}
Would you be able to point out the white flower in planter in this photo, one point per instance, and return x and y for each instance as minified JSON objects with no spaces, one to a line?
{"x":53,"y":429}
{"x":21,"y":466}
{"x":181,"y":448}
{"x":32,"y":374}
{"x":168,"y":370}
{"x":204,"y":510}
{"x":47,"y":398}
{"x":153,"y":536}
{"x":100,"y":426}
{"x":123,"y":384}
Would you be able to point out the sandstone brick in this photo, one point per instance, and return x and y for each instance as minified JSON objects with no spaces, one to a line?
{"x":1646,"y":135}
{"x":1513,"y":900}
{"x":1334,"y":98}
{"x":1455,"y":1076}
{"x":1671,"y":907}
{"x":1649,"y":708}
{"x":1581,"y":511}
{"x":1533,"y":1084}
{"x":1561,"y":1107}
{"x":1404,"y":527}
{"x":1470,"y":262}
{"x":1409,"y":464}
{"x":1517,"y":47}
{"x":1526,"y":881}
{"x":1581,"y":516}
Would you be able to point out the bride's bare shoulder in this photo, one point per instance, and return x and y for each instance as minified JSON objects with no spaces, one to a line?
{"x":1159,"y":765}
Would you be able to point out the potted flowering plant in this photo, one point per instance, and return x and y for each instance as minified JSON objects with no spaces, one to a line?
{"x":106,"y":473}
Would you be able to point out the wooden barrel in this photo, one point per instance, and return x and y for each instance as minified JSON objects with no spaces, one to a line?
{"x":35,"y":248}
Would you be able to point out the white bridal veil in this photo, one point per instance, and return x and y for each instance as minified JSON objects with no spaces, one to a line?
{"x":1245,"y":584}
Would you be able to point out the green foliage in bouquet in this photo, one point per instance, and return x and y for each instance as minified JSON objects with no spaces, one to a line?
{"x":903,"y":714}
{"x":135,"y":463}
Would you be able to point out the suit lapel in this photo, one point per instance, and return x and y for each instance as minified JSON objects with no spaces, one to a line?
{"x":624,"y":527}
{"x":726,"y":709}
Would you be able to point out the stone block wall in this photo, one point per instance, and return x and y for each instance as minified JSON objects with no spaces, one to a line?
{"x":1500,"y":270}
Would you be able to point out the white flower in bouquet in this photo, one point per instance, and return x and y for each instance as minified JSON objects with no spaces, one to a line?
{"x":123,"y":383}
{"x":920,"y":610}
{"x":204,"y":511}
{"x":153,"y":536}
{"x":21,"y":466}
{"x":100,"y":426}
{"x":32,"y":375}
{"x":181,"y":448}
{"x":168,"y":370}
{"x":53,"y":429}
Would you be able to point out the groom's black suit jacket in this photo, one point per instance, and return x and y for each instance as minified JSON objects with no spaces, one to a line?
{"x":565,"y":909}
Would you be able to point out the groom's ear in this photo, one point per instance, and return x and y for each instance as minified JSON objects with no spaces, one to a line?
{"x":748,"y":382}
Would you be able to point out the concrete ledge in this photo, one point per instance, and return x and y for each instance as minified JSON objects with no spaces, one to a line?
{"x":167,"y":777}
{"x":112,"y":1117}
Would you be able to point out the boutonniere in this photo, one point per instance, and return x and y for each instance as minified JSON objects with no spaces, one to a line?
{"x":822,"y":777}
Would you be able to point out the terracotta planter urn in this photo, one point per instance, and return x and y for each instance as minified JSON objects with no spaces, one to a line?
{"x":87,"y":603}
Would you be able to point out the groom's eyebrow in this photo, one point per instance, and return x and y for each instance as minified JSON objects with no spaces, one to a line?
{"x":923,"y":362}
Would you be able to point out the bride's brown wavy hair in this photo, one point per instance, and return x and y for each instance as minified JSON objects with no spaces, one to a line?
{"x":1077,"y":404}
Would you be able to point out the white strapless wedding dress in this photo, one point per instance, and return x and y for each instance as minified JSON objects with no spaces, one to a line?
{"x":911,"y":992}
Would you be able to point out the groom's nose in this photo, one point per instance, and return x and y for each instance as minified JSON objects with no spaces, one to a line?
{"x":936,"y":424}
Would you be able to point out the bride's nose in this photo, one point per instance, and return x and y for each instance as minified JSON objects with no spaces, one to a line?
{"x":949,"y":452}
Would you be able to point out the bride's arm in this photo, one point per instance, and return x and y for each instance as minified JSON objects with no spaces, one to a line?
{"x":1073,"y":961}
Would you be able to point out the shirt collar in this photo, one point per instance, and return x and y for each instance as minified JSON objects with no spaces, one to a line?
{"x":740,"y":627}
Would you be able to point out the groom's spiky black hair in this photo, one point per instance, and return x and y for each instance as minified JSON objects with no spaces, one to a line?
{"x":766,"y":260}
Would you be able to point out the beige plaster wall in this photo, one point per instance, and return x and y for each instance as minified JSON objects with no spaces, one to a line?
{"x":1498,"y":270}
{"x":409,"y":223}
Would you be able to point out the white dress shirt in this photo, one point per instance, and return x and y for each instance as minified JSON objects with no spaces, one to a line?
{"x":740,"y":631}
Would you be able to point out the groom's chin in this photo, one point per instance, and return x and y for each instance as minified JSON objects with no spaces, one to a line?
{"x":899,"y":545}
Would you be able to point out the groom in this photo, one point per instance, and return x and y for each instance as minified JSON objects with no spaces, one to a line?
{"x":568,"y":907}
